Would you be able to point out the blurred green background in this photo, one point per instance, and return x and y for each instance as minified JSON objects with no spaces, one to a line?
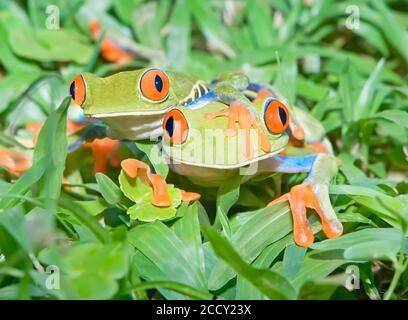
{"x":345,"y":62}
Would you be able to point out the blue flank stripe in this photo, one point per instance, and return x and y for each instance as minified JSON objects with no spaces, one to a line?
{"x":294,"y":164}
{"x":259,"y":86}
{"x":203,"y":100}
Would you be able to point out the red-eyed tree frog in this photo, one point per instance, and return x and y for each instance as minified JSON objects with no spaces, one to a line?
{"x":198,"y":147}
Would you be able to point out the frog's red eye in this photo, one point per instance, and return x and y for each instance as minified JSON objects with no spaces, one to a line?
{"x":175,"y":126}
{"x":276,"y":116}
{"x":77,"y":90}
{"x":154,"y":85}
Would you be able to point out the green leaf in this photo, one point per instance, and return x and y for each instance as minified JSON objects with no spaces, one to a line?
{"x":179,"y":39}
{"x":88,"y":221}
{"x":399,"y":117}
{"x":168,"y":254}
{"x":388,"y":208}
{"x":263,"y":227}
{"x":144,"y":210}
{"x":227,"y":195}
{"x":363,"y":107}
{"x":53,"y":136}
{"x":13,"y":222}
{"x":135,"y":189}
{"x":152,"y":151}
{"x":273,"y":285}
{"x":215,"y":32}
{"x":147,"y":212}
{"x":373,"y":250}
{"x":109,"y":190}
{"x":292,"y":260}
{"x":359,"y":237}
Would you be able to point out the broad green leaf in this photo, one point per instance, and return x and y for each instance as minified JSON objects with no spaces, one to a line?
{"x":373,"y":250}
{"x":227,"y":195}
{"x":244,"y":289}
{"x":388,"y":208}
{"x":397,"y":116}
{"x":53,"y":136}
{"x":273,"y":285}
{"x":359,"y":237}
{"x":168,"y":253}
{"x":363,"y":107}
{"x":109,"y":190}
{"x":292,"y":260}
{"x":126,"y":9}
{"x":187,"y":228}
{"x":179,"y":39}
{"x":265,"y":226}
{"x":216,"y":33}
{"x":155,"y":156}
{"x":147,"y":212}
{"x":311,"y":270}
{"x":144,"y":210}
{"x":13,"y":222}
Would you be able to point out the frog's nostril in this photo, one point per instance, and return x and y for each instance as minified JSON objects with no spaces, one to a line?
{"x":77,"y":90}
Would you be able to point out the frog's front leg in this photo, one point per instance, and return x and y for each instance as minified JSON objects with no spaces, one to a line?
{"x":313,"y":193}
{"x":239,"y":111}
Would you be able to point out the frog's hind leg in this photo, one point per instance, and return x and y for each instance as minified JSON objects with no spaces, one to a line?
{"x":264,"y":91}
{"x":104,"y":150}
{"x":312,"y":193}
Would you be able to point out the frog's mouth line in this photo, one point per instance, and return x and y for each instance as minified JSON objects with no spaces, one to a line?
{"x":131,"y":113}
{"x":222,"y":166}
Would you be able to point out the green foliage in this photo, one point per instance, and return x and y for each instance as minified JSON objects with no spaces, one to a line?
{"x":66,"y":233}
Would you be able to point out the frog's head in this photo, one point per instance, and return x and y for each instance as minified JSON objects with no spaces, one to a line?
{"x":192,"y":138}
{"x":131,"y":102}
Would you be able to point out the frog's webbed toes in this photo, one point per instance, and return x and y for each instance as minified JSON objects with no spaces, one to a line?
{"x":307,"y":195}
{"x":14,"y":162}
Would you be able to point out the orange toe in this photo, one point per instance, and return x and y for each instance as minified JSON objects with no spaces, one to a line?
{"x":241,"y":114}
{"x":189,"y":196}
{"x":300,"y":198}
{"x":160,"y":195}
{"x":14,"y":162}
{"x":103,"y":150}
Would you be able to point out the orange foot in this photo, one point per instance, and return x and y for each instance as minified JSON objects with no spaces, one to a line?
{"x":189,"y":196}
{"x":238,"y":112}
{"x":110,"y":51}
{"x":104,"y":150}
{"x":72,"y":127}
{"x":134,"y":168}
{"x":13,"y":162}
{"x":301,"y":197}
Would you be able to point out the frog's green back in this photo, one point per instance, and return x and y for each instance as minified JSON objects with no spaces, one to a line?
{"x":208,"y":146}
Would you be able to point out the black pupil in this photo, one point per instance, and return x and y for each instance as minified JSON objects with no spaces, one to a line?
{"x":158,"y":82}
{"x":282,"y":115}
{"x":170,"y":126}
{"x":72,"y":89}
